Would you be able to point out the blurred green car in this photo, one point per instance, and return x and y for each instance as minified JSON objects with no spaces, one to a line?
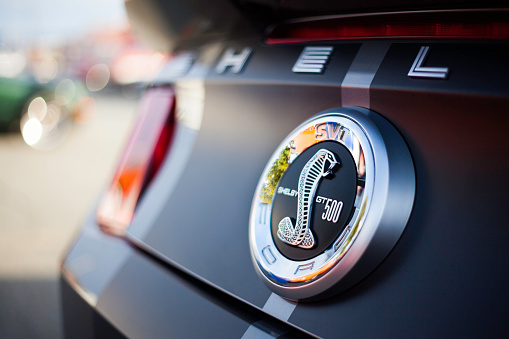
{"x":42,"y":112}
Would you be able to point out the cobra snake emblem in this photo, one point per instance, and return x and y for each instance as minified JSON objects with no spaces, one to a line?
{"x":315,"y":169}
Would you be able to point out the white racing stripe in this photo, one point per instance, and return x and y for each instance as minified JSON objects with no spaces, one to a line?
{"x":279,"y":307}
{"x":254,"y":332}
{"x":355,"y":85}
{"x":276,"y":306}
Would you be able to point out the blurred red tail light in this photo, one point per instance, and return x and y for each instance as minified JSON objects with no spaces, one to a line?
{"x":431,"y":25}
{"x":140,"y":161}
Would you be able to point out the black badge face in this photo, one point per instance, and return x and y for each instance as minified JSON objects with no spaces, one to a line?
{"x":326,"y":200}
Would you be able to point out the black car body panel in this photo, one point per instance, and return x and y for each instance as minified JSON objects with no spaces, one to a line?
{"x":187,"y":247}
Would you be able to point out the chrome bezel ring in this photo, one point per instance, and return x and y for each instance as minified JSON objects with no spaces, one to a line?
{"x":382,"y":206}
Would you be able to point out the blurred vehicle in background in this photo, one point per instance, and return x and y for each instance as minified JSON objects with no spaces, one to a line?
{"x":44,"y":89}
{"x":113,"y":58}
{"x":42,"y":112}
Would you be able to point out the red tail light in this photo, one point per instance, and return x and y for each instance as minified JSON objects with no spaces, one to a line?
{"x":443,"y":25}
{"x":141,"y":160}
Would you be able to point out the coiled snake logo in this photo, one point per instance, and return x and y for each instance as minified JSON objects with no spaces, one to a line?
{"x":310,"y":176}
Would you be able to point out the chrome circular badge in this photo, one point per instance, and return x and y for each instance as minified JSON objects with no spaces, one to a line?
{"x":331,"y":203}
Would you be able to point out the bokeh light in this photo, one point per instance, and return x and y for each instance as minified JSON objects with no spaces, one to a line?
{"x":65,"y":91}
{"x":37,"y":109}
{"x":97,"y":77}
{"x":32,"y":131}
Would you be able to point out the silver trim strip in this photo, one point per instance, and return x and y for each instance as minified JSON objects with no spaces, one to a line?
{"x":275,"y":306}
{"x":279,"y":307}
{"x":254,"y":332}
{"x":355,"y":85}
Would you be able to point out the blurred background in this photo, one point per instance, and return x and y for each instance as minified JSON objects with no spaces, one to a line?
{"x":71,"y":73}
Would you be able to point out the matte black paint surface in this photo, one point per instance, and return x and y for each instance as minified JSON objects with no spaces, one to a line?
{"x":446,"y":277}
{"x":453,"y":139}
{"x":205,"y":225}
{"x":81,"y":320}
{"x":211,"y":237}
{"x":170,"y":308}
{"x":478,"y":69}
